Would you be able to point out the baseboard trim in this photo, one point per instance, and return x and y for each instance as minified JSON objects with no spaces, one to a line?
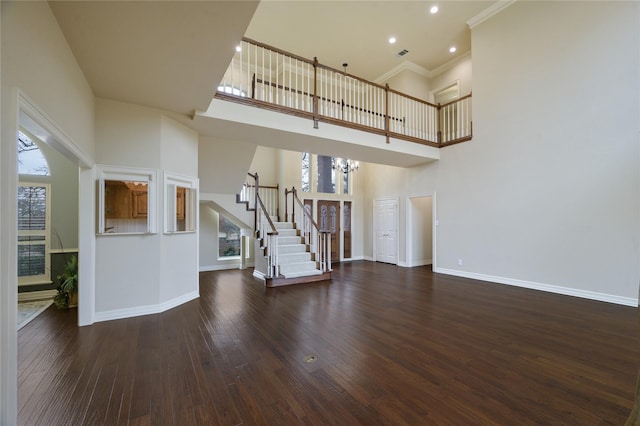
{"x":145,"y":310}
{"x":36,"y":295}
{"x":259,"y":275}
{"x":369,"y":258}
{"x":416,"y":263}
{"x":218,"y":267}
{"x":566,"y":291}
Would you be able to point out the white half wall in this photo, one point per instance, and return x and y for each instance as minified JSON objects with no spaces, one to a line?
{"x":145,"y":273}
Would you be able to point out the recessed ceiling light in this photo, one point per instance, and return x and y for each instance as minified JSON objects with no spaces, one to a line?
{"x":452,"y":49}
{"x":238,"y":48}
{"x":434,"y":9}
{"x":392,"y":40}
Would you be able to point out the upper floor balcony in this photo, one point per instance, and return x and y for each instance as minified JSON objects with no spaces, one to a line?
{"x":266,"y":77}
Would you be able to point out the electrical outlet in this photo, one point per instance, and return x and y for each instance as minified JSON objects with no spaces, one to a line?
{"x":459,"y":262}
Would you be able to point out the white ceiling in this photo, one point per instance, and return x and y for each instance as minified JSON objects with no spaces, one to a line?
{"x":169,"y":55}
{"x":357,"y":32}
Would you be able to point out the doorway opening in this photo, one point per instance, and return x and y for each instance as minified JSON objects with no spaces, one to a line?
{"x":420,"y":230}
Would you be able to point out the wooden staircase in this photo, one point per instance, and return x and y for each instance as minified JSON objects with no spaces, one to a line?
{"x":290,"y":252}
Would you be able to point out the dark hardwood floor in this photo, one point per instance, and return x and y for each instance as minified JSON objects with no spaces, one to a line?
{"x":391,"y":345}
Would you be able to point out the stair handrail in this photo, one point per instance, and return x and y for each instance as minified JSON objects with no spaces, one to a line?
{"x":270,"y":195}
{"x":267,"y":231}
{"x":318,"y":239}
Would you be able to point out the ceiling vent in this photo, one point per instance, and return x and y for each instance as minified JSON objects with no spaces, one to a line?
{"x":402,"y":53}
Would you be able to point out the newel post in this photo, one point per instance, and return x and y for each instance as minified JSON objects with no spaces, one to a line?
{"x":286,"y":207}
{"x":293,"y":204}
{"x":315,"y":92}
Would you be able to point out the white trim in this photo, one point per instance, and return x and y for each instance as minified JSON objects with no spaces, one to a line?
{"x":567,"y":291}
{"x":149,"y":176}
{"x":36,"y":295}
{"x":450,"y":64}
{"x":403,"y":66}
{"x":44,"y":128}
{"x":419,"y":263}
{"x":444,"y":87}
{"x":409,"y":230}
{"x":369,"y":258}
{"x":218,"y":267}
{"x":146,"y":310}
{"x":434,"y":218}
{"x":403,"y":265}
{"x":44,"y":278}
{"x":62,"y":251}
{"x":489,"y":12}
{"x":170,"y":183}
{"x":259,"y":275}
{"x":410,"y":66}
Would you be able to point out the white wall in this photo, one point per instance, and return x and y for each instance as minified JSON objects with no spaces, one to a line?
{"x":265,"y":162}
{"x":139,"y":274}
{"x":36,"y":60}
{"x":410,"y":82}
{"x":460,"y":72}
{"x":547,"y":194}
{"x":223,"y":164}
{"x":179,"y":257}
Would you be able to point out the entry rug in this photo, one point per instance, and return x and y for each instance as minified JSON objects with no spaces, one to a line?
{"x":27,"y":311}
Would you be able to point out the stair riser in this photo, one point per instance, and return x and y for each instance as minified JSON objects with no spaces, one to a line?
{"x":293,"y":248}
{"x":284,"y":259}
{"x":298,"y":267}
{"x":289,"y":240}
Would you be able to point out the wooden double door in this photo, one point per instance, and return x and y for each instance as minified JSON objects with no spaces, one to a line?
{"x":329,"y":218}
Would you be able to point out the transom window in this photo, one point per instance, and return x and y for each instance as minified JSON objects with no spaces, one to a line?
{"x":30,"y":158}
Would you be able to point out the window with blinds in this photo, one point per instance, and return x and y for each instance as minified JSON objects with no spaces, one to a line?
{"x":33,"y":233}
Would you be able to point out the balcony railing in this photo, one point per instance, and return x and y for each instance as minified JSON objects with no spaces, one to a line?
{"x":267,"y":77}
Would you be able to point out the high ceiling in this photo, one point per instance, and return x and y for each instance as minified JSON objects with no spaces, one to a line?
{"x":169,"y":55}
{"x":357,"y":32}
{"x":172,"y":54}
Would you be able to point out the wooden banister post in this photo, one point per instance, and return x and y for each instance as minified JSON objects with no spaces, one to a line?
{"x":278,"y":201}
{"x":315,"y":92}
{"x":386,"y":111}
{"x":286,"y":208}
{"x":255,"y":202}
{"x":253,"y":86}
{"x":293,"y":204}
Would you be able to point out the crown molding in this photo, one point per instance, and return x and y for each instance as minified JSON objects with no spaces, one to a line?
{"x":410,"y":66}
{"x":450,"y":64}
{"x":489,"y":12}
{"x":403,"y":66}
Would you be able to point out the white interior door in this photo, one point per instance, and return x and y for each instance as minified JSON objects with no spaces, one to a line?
{"x":386,"y":230}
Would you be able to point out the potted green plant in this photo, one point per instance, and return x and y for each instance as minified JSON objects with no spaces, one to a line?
{"x":67,"y":296}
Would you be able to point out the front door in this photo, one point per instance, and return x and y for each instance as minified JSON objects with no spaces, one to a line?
{"x":329,"y":220}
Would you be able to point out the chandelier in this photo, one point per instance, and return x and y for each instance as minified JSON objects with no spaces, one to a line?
{"x":346,"y":165}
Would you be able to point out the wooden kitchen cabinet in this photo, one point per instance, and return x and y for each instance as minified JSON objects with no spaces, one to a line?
{"x":125,"y":200}
{"x":181,"y":202}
